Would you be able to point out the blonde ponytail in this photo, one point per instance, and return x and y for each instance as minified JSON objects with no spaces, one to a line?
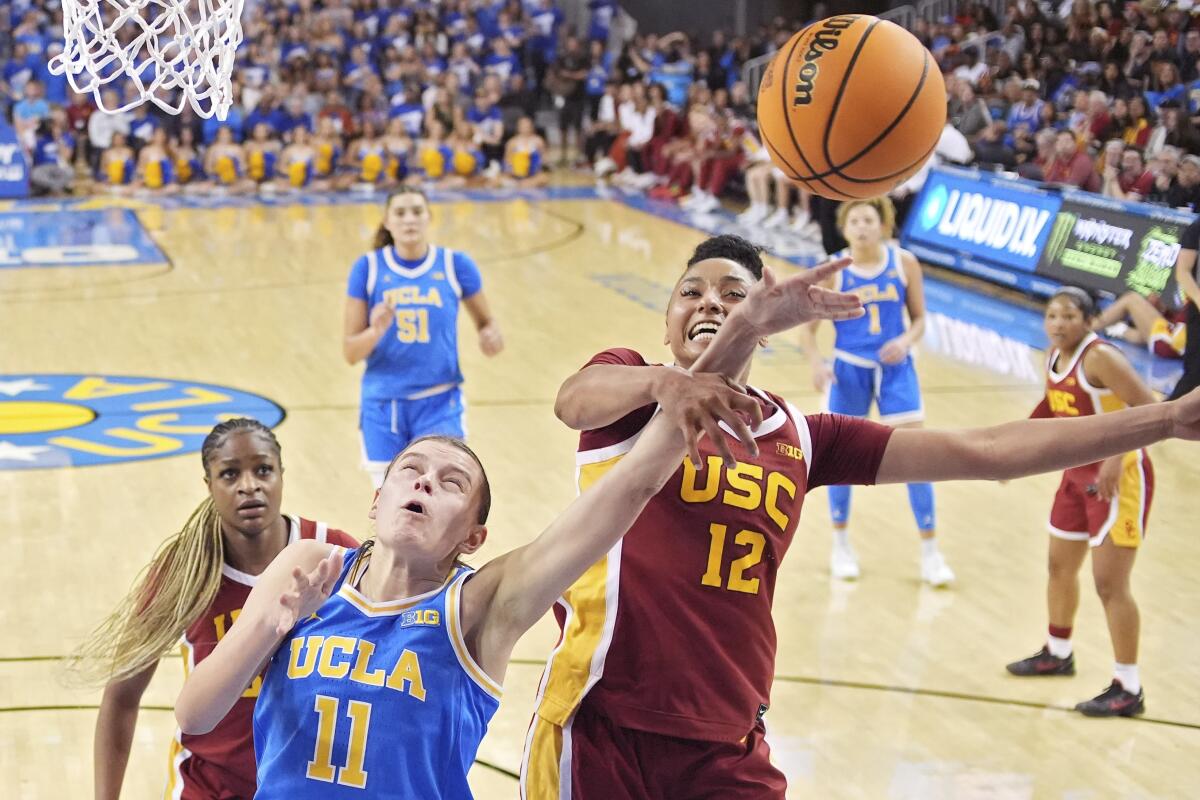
{"x":171,"y":593}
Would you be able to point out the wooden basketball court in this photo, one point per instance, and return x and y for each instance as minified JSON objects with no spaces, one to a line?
{"x":885,"y":688}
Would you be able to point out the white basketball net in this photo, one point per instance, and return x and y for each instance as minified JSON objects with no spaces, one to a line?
{"x":171,"y":51}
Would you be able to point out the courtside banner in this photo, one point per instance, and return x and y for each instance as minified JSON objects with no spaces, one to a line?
{"x":1112,"y":246}
{"x":982,"y":224}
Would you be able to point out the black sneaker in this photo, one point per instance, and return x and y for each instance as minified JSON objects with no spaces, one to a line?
{"x":1042,"y":663}
{"x":1114,"y":701}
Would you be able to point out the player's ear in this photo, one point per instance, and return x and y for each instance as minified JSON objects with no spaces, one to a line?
{"x":374,"y":505}
{"x":474,"y":540}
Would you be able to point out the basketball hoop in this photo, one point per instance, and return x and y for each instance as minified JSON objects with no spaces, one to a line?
{"x":171,"y":51}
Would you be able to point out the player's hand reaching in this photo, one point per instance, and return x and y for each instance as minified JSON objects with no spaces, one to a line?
{"x":777,"y":305}
{"x":308,"y":592}
{"x":894,"y":350}
{"x":381,"y":317}
{"x":490,"y":340}
{"x":822,"y":375}
{"x":697,"y":403}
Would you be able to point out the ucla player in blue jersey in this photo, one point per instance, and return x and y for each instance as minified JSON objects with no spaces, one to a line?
{"x":385,"y":663}
{"x":402,"y":306}
{"x":872,"y":362}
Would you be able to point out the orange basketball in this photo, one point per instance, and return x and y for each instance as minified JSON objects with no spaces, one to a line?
{"x":851,"y":107}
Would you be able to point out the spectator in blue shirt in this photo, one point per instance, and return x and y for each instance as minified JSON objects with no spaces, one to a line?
{"x":489,"y":125}
{"x":52,"y":154}
{"x":29,"y":112}
{"x":407,"y":106}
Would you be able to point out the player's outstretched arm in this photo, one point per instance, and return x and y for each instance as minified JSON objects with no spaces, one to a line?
{"x":292,"y":587}
{"x":513,"y":592}
{"x":603,"y":393}
{"x":1032,"y":446}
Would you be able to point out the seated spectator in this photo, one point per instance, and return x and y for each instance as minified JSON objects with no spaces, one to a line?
{"x":1141,"y":121}
{"x":991,"y":150}
{"x":433,"y":154}
{"x":262,"y":153}
{"x":156,"y":165}
{"x":29,"y":112}
{"x":399,"y":147}
{"x":117,"y":163}
{"x":638,"y":121}
{"x":1184,"y":192}
{"x":605,"y":128}
{"x":102,"y":127}
{"x":328,"y":144}
{"x":406,"y":106}
{"x":716,"y":165}
{"x":524,"y":156}
{"x":189,"y":167}
{"x":1164,"y":166}
{"x":1069,"y":165}
{"x":1176,"y":129}
{"x":489,"y":125}
{"x":1139,"y":320}
{"x":1166,"y":86}
{"x":53,"y":172}
{"x":298,"y":164}
{"x":366,"y":160}
{"x":225,"y":163}
{"x":467,"y":160}
{"x":758,"y":176}
{"x":973,"y":116}
{"x":142,"y":125}
{"x":1113,"y":82}
{"x":1027,"y":112}
{"x":1130,"y":180}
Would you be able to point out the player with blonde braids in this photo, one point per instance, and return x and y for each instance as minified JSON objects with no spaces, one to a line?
{"x":190,"y":593}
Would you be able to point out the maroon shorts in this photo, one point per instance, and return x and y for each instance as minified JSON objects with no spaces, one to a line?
{"x":592,"y":758}
{"x":193,"y":778}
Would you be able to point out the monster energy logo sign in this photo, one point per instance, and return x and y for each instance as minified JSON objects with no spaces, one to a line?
{"x":1155,"y":260}
{"x":1095,"y":246}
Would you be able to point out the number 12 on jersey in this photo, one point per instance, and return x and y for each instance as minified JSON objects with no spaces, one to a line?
{"x":716,"y":559}
{"x":321,"y":768}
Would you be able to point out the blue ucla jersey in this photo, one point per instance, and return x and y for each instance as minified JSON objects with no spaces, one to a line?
{"x":884,"y":292}
{"x":420,"y":349}
{"x":373,"y":700}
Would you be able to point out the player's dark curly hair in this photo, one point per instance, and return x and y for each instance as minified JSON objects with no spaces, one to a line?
{"x":1079,"y":298}
{"x":734,"y":248}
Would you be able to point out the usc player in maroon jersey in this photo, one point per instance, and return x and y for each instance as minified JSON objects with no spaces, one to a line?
{"x":1101,"y":507}
{"x":190,"y":594}
{"x":659,"y":683}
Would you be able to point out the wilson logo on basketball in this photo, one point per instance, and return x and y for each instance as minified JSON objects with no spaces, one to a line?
{"x":823,"y":40}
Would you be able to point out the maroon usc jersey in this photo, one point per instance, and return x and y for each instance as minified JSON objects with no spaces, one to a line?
{"x":227,"y":751}
{"x":672,"y":632}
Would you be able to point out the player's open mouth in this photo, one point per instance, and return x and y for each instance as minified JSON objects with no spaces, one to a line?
{"x":252,"y":508}
{"x":704,"y":331}
{"x":415,"y":508}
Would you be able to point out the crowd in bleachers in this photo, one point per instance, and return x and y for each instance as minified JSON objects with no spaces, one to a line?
{"x":330,"y":94}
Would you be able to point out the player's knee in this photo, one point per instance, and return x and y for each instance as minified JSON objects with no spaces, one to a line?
{"x":1113,"y":588}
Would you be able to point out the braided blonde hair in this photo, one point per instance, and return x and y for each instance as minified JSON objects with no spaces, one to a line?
{"x":169,"y":594}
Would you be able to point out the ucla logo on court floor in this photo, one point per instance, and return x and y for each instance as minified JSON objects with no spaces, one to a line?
{"x":81,"y":420}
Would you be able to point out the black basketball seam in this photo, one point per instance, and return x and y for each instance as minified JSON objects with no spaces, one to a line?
{"x":837,"y":100}
{"x":928,"y":153}
{"x":787,"y":120}
{"x":787,"y":170}
{"x":763,"y":136}
{"x":899,"y":118}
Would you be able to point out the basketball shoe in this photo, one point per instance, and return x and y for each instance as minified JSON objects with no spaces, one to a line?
{"x":1043,"y":663}
{"x":1115,"y":701}
{"x":843,"y":563}
{"x":935,"y":571}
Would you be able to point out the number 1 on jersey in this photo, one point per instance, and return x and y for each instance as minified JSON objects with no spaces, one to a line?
{"x":321,"y":767}
{"x":873,"y":313}
{"x":737,"y":569}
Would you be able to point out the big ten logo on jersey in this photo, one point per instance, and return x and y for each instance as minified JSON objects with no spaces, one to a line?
{"x":222,"y":623}
{"x":747,"y":487}
{"x":412,"y":324}
{"x":1062,"y":403}
{"x":348,"y":658}
{"x":421,"y":616}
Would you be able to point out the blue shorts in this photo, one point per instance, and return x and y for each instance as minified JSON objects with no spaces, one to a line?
{"x":389,"y":425}
{"x":893,"y":387}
